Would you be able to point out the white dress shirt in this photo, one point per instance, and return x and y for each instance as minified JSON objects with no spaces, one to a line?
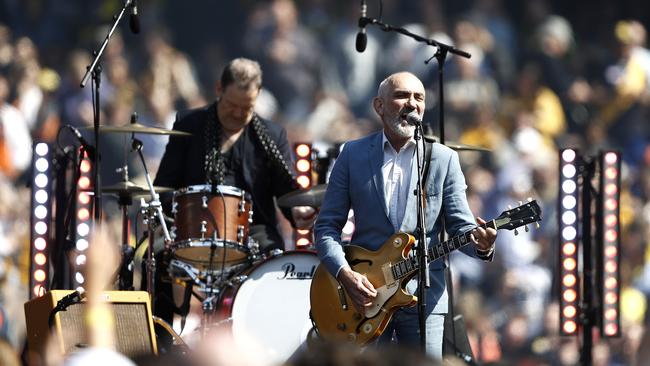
{"x":396,"y":171}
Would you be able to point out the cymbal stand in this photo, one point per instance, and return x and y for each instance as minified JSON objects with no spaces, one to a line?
{"x":153,"y":210}
{"x":126,"y":268}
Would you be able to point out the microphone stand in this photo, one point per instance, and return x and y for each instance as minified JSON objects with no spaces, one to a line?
{"x":422,"y":247}
{"x":440,"y":56}
{"x":94,"y":70}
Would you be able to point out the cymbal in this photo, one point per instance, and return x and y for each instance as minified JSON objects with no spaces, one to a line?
{"x":456,"y":145}
{"x":129,"y":188}
{"x":138,"y":128}
{"x":309,"y":197}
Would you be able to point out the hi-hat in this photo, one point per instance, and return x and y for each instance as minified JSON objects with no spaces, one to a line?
{"x":309,"y":197}
{"x":138,"y":128}
{"x":456,"y":145}
{"x":131,"y":189}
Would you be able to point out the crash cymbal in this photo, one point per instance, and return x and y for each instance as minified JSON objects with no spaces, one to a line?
{"x":456,"y":145}
{"x":309,"y":197}
{"x":138,"y":128}
{"x":131,"y":189}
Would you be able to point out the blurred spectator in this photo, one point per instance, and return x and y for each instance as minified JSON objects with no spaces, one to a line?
{"x":170,"y":69}
{"x":624,"y":113}
{"x":347,"y":73}
{"x":553,"y":42}
{"x":15,"y":141}
{"x":469,"y":90}
{"x":288,"y":54}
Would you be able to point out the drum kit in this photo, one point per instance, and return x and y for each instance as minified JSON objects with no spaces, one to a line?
{"x":264,"y":297}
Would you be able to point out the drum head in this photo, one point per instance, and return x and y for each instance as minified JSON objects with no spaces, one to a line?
{"x":272,"y":305}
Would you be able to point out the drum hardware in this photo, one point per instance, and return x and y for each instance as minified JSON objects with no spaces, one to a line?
{"x":178,"y":269}
{"x":240,"y":233}
{"x":192,"y":272}
{"x":204,"y":229}
{"x":151,"y":211}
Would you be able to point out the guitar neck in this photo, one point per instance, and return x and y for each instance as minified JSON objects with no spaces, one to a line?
{"x":408,"y":266}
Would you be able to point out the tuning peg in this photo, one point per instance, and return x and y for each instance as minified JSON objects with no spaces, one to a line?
{"x":516,"y":232}
{"x":509,"y":207}
{"x":530,"y":199}
{"x":526,"y":228}
{"x":537,"y":225}
{"x":520,"y":203}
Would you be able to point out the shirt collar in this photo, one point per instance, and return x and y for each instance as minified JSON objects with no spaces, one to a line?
{"x":385,"y":143}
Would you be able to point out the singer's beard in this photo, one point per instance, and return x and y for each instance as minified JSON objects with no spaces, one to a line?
{"x":401,"y":128}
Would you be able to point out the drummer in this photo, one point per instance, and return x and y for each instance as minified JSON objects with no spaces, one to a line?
{"x":231,"y":145}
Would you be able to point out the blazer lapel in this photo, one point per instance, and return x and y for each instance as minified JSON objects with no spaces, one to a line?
{"x":376,"y":159}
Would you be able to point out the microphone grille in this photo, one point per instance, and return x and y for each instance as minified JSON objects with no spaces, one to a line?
{"x":362,"y":40}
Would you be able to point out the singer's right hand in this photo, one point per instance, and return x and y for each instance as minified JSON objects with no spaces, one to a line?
{"x":361,"y":291}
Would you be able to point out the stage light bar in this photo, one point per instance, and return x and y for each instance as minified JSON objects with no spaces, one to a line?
{"x":304,"y":169}
{"x":609,"y":238}
{"x":303,"y":164}
{"x":568,"y":232}
{"x":84,"y":223}
{"x":40,"y":219}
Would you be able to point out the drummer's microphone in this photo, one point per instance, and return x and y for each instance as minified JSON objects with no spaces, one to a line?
{"x":134,"y":20}
{"x":88,"y":148}
{"x":362,"y":38}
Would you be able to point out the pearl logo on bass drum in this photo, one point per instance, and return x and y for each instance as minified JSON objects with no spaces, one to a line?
{"x":290,"y":272}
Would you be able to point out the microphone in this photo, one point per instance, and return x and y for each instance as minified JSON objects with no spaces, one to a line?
{"x":362,"y":38}
{"x":134,"y":20}
{"x":90,"y":149}
{"x":413,"y":118}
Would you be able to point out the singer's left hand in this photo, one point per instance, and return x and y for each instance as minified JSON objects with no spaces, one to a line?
{"x":483,"y":238}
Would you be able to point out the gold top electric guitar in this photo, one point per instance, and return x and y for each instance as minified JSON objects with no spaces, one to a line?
{"x":389,"y":269}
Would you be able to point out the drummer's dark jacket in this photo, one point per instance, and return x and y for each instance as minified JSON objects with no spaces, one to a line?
{"x":183,"y":165}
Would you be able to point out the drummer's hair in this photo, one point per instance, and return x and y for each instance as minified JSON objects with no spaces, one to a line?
{"x":242,"y":72}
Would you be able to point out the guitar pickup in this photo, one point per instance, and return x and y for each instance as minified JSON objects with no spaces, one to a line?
{"x":342,"y":299}
{"x":389,"y":278}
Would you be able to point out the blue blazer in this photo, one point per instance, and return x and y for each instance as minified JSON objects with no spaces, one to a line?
{"x":356,"y":183}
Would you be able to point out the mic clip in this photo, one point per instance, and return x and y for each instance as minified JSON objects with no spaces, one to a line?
{"x":364,"y":21}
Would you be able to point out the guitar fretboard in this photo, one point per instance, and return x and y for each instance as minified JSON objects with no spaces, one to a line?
{"x":409,"y":265}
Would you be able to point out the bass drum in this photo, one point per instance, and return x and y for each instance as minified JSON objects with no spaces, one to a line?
{"x":271,"y":306}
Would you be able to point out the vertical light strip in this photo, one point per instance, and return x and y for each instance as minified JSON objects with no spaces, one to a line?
{"x":609,"y":203}
{"x":40,"y":220}
{"x":568,"y":231}
{"x":303,"y":151}
{"x":84,"y":222}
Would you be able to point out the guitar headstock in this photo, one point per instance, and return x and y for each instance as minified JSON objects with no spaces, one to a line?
{"x":522,"y":215}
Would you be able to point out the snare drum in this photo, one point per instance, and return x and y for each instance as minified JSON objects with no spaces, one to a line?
{"x":271,"y":305}
{"x":203,"y":218}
